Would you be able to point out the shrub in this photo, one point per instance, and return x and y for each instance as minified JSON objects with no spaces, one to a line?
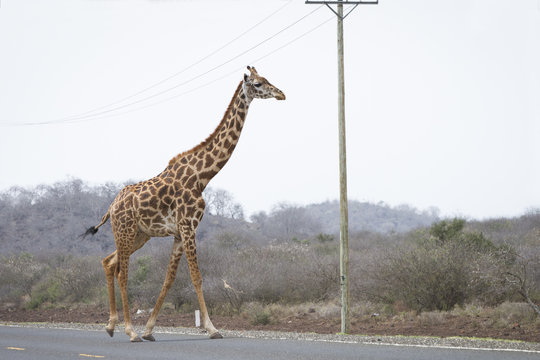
{"x":49,"y":292}
{"x":261,"y":319}
{"x":18,"y":273}
{"x":448,"y":267}
{"x":66,"y":279}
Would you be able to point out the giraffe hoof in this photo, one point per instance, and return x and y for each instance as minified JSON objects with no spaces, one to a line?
{"x":149,"y":337}
{"x":216,"y":335}
{"x":110,"y":332}
{"x":136,"y":339}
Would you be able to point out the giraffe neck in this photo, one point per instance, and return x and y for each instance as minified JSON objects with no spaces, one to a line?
{"x":200,"y":164}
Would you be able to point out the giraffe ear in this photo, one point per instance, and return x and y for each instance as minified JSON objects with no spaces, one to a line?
{"x":245,"y":77}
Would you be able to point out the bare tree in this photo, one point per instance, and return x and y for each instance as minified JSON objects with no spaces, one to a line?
{"x":220,"y":202}
{"x":518,"y":276}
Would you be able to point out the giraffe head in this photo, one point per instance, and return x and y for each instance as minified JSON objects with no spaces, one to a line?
{"x":255,"y":86}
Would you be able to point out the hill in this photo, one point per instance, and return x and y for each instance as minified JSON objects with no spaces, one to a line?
{"x":50,"y":218}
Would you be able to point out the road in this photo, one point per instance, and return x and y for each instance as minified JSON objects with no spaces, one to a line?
{"x":38,"y":343}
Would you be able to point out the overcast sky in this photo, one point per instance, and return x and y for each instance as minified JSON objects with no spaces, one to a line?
{"x":442,"y":97}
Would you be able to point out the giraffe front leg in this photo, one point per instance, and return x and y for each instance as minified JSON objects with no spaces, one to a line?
{"x":196,"y":279}
{"x":174,"y":259}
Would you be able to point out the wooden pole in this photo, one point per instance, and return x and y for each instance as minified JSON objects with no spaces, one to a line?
{"x":343,"y":204}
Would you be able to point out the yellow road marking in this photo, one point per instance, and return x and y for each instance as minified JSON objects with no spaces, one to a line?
{"x":92,"y":356}
{"x":15,"y":348}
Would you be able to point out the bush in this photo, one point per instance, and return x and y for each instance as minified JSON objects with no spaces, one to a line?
{"x":18,"y":274}
{"x":443,"y":268}
{"x":48,"y":292}
{"x":428,"y":278}
{"x":67,"y":280}
{"x":261,"y":319}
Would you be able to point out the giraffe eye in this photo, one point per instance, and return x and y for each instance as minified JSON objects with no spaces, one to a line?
{"x":257,"y":85}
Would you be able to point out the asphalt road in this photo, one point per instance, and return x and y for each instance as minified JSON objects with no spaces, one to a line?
{"x":38,"y":343}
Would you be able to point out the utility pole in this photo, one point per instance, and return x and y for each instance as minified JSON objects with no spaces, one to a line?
{"x":343,"y":202}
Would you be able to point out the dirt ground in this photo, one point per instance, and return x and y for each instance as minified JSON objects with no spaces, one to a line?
{"x":467,"y":326}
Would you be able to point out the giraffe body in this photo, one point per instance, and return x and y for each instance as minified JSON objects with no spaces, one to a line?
{"x":171,"y":204}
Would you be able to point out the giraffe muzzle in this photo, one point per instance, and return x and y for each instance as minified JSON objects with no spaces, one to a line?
{"x":279,"y":95}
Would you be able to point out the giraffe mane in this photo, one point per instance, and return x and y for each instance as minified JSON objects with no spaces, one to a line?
{"x":211,"y":137}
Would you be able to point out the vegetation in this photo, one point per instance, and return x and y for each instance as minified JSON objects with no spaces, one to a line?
{"x":401,"y":259}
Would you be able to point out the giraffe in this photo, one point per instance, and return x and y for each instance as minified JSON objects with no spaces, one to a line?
{"x":171,"y":204}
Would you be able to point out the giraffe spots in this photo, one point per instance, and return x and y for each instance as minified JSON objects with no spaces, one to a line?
{"x":207,"y":175}
{"x":190,"y":182}
{"x":167,"y":200}
{"x":209,"y":160}
{"x":153,"y":202}
{"x":239,"y":126}
{"x":164,"y":208}
{"x":147,"y":221}
{"x":182,"y":209}
{"x":222,"y":163}
{"x":147,"y":213}
{"x":147,"y":203}
{"x":163,"y":191}
{"x":187,"y":199}
{"x":171,"y":203}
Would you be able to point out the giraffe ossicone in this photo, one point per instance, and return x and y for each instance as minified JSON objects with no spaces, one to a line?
{"x":172,"y":204}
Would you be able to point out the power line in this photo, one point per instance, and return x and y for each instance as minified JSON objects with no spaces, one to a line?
{"x":91,"y":115}
{"x":181,"y":71}
{"x":202,"y":74}
{"x":235,"y":71}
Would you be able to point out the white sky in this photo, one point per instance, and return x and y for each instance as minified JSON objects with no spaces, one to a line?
{"x":442,"y":98}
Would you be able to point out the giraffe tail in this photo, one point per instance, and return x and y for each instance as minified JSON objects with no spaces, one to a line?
{"x":94,"y":229}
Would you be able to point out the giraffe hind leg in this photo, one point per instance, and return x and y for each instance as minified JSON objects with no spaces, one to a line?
{"x":110,"y":265}
{"x":130,"y":241}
